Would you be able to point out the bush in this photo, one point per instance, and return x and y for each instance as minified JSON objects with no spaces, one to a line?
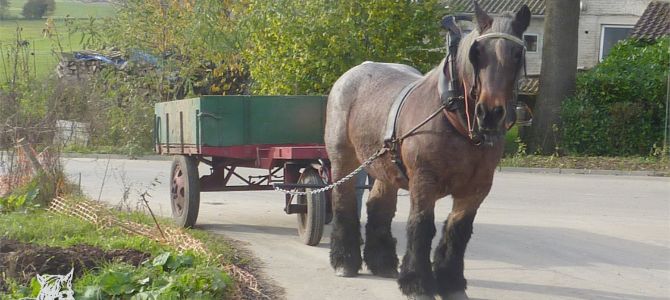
{"x":36,"y":9}
{"x":619,"y":106}
{"x":302,"y":47}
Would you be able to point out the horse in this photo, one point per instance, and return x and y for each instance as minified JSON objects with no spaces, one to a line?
{"x":440,"y":157}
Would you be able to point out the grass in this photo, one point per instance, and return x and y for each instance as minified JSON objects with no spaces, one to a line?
{"x":42,"y":48}
{"x":634,"y":163}
{"x":42,"y":58}
{"x":48,"y":229}
{"x":71,"y":8}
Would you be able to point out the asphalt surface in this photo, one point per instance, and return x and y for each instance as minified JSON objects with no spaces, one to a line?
{"x":537,"y":236}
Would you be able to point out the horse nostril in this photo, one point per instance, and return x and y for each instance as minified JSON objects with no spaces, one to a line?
{"x":480,"y":111}
{"x":498,"y":111}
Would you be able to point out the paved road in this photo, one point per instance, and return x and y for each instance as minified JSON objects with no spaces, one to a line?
{"x":537,"y":236}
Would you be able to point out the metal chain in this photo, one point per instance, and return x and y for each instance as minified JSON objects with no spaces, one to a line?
{"x":344,"y":179}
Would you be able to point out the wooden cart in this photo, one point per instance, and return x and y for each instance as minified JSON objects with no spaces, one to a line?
{"x":280,"y":134}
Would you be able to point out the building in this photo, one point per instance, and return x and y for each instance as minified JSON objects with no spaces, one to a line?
{"x":602,"y":23}
{"x":654,"y":22}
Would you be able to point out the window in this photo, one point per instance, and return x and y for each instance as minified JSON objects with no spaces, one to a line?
{"x":610,"y":35}
{"x":531,"y":41}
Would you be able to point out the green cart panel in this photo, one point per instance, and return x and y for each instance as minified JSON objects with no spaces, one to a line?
{"x":221,"y":121}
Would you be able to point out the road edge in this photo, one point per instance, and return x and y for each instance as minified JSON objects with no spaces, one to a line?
{"x":499,"y":169}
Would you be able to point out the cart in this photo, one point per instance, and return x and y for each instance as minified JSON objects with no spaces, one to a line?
{"x":282,"y":135}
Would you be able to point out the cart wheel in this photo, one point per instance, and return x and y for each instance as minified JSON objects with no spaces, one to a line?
{"x":185,"y":190}
{"x":310,"y":224}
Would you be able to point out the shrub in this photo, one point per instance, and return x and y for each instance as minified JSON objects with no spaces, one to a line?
{"x":36,"y":9}
{"x":619,"y":106}
{"x":302,"y":47}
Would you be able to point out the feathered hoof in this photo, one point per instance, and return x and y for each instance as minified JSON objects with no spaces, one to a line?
{"x":421,"y":297}
{"x":388,"y":273}
{"x":344,"y":272}
{"x":456,"y":296}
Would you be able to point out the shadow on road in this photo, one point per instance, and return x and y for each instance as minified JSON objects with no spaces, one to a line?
{"x":539,"y":247}
{"x":557,"y":290}
{"x":223,"y":228}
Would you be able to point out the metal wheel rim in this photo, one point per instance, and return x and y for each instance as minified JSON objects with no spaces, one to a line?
{"x":178,"y":191}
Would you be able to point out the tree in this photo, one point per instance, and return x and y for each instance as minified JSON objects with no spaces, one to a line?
{"x":36,"y":9}
{"x":4,"y":9}
{"x":302,"y":47}
{"x":557,"y":74}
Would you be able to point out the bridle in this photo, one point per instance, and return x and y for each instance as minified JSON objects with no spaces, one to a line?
{"x":454,"y":98}
{"x":454,"y":102}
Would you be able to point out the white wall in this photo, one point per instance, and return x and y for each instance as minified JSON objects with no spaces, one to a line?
{"x":534,"y":60}
{"x":597,"y":13}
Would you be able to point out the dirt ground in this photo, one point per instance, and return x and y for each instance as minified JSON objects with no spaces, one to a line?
{"x":22,"y":261}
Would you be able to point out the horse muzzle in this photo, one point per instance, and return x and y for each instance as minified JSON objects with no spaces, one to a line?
{"x":490,"y":123}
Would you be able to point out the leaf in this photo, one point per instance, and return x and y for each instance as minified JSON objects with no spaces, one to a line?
{"x":116,"y":283}
{"x":161,"y":259}
{"x":92,"y":292}
{"x":35,"y":287}
{"x":184,"y":260}
{"x":144,"y":281}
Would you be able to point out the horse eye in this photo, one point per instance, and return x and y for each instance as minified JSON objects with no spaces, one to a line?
{"x":518,"y":55}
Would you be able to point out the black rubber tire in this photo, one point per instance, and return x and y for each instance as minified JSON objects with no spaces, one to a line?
{"x":184,"y":190}
{"x":310,"y":224}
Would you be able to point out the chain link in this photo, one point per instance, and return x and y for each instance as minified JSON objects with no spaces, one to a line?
{"x":339,"y":182}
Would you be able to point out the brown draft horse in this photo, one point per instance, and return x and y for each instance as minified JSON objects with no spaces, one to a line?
{"x":440,"y":158}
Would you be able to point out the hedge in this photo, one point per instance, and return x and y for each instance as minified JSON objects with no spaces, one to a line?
{"x":619,"y":106}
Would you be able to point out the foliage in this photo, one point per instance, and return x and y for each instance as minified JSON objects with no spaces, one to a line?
{"x":173,"y":48}
{"x":302,"y":47}
{"x":619,"y":107}
{"x":19,"y":201}
{"x":4,"y":9}
{"x":36,"y":9}
{"x":197,"y":40}
{"x":167,"y":276}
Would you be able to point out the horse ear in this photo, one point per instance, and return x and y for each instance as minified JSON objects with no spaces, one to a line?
{"x":484,"y":21}
{"x":41,"y":280}
{"x":521,"y":20}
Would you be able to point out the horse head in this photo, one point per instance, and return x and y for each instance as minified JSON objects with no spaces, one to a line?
{"x":490,"y":62}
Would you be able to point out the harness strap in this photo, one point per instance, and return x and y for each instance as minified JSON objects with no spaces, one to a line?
{"x":390,"y":140}
{"x":398,"y":103}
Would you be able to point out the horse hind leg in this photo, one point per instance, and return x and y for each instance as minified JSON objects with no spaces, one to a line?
{"x":448,"y":258}
{"x":345,"y":239}
{"x":380,"y":246}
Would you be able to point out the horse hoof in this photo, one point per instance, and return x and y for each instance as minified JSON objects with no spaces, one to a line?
{"x":456,"y":296}
{"x":421,"y":297}
{"x":344,"y":272}
{"x":386,"y":273}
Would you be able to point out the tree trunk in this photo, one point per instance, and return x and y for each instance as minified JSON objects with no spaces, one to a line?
{"x":557,"y":75}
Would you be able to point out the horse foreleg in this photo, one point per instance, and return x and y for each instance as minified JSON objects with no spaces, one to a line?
{"x":448,"y":261}
{"x":345,"y":239}
{"x":380,"y":245}
{"x":416,"y":277}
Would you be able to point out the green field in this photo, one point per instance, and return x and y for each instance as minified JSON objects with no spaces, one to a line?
{"x":71,"y":8}
{"x":43,"y":61}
